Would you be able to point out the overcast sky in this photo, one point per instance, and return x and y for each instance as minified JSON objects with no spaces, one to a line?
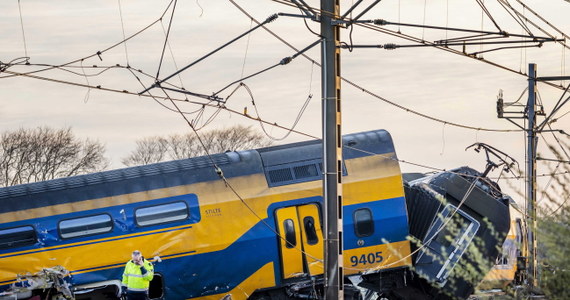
{"x":443,"y":85}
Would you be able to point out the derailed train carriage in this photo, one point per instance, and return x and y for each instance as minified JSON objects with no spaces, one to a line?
{"x":70,"y":237}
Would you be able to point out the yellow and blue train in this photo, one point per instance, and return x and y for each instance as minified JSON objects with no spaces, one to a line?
{"x":257,"y":234}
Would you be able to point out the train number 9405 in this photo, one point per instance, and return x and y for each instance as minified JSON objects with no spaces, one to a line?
{"x":369,"y":258}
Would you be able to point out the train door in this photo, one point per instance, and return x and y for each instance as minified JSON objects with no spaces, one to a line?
{"x":301,"y":241}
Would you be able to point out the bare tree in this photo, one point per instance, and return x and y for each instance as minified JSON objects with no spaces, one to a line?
{"x":156,"y":149}
{"x":43,"y":153}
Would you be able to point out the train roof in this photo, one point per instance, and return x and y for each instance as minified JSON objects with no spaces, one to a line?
{"x":181,"y":172}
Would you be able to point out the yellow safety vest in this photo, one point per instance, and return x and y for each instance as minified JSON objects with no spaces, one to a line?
{"x":133,"y":278}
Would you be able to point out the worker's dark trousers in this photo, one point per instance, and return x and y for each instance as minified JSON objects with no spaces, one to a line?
{"x":137,"y":295}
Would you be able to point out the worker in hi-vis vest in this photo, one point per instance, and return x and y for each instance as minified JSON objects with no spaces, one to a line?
{"x":136,"y":277}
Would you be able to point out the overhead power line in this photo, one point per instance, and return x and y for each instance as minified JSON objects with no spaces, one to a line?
{"x":159,"y":82}
{"x":22,"y":25}
{"x":166,"y":39}
{"x":98,"y":53}
{"x":368,"y":91}
{"x":417,"y":40}
{"x":284,"y":61}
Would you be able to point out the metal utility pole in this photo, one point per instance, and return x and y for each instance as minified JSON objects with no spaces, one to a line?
{"x":532,"y":128}
{"x":332,"y":150}
{"x":531,"y":175}
{"x":527,"y":112}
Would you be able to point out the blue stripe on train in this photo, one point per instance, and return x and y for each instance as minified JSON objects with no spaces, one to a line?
{"x":123,"y":223}
{"x":390,"y":222}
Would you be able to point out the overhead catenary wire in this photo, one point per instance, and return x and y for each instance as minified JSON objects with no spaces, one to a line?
{"x":488,"y":13}
{"x":203,"y":105}
{"x":297,"y":119}
{"x":123,"y":28}
{"x":98,"y":53}
{"x":370,"y":92}
{"x":365,"y":11}
{"x":348,"y":11}
{"x":246,"y":49}
{"x":23,"y":32}
{"x":166,"y":39}
{"x":282,"y":62}
{"x":399,"y":34}
{"x":158,"y":82}
{"x":542,"y":19}
{"x":101,"y":88}
{"x":464,"y":42}
{"x":509,"y":9}
{"x":451,"y":50}
{"x":523,"y":17}
{"x":557,"y":107}
{"x":86,"y":98}
{"x":172,"y":56}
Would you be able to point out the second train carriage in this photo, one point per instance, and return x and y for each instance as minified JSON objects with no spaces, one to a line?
{"x":72,"y":236}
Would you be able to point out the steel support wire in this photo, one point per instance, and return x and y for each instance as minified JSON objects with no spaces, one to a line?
{"x":211,"y":98}
{"x":283,"y":62}
{"x":383,"y":22}
{"x":450,"y":50}
{"x":476,"y":37}
{"x":351,"y":9}
{"x":364,"y":11}
{"x":166,"y":39}
{"x":304,"y":7}
{"x":391,"y":46}
{"x":542,"y":19}
{"x":453,"y":51}
{"x":556,"y":108}
{"x":520,"y":15}
{"x":157,"y":83}
{"x":488,"y":13}
{"x":554,"y":160}
{"x":510,"y":10}
{"x":504,"y":48}
{"x":98,"y":53}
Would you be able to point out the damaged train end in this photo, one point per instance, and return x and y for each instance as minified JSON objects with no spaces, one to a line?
{"x":458,"y":221}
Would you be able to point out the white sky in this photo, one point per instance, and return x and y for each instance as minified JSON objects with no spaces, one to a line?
{"x":434,"y":82}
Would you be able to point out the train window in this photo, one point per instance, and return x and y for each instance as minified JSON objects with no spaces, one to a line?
{"x":159,"y":214}
{"x":310,"y":230}
{"x":444,"y":237}
{"x":84,"y":226}
{"x":290,"y":236}
{"x":448,"y":238}
{"x":363,"y":222}
{"x":17,"y":237}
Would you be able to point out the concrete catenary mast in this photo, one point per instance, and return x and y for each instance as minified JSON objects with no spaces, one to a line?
{"x":332,"y":149}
